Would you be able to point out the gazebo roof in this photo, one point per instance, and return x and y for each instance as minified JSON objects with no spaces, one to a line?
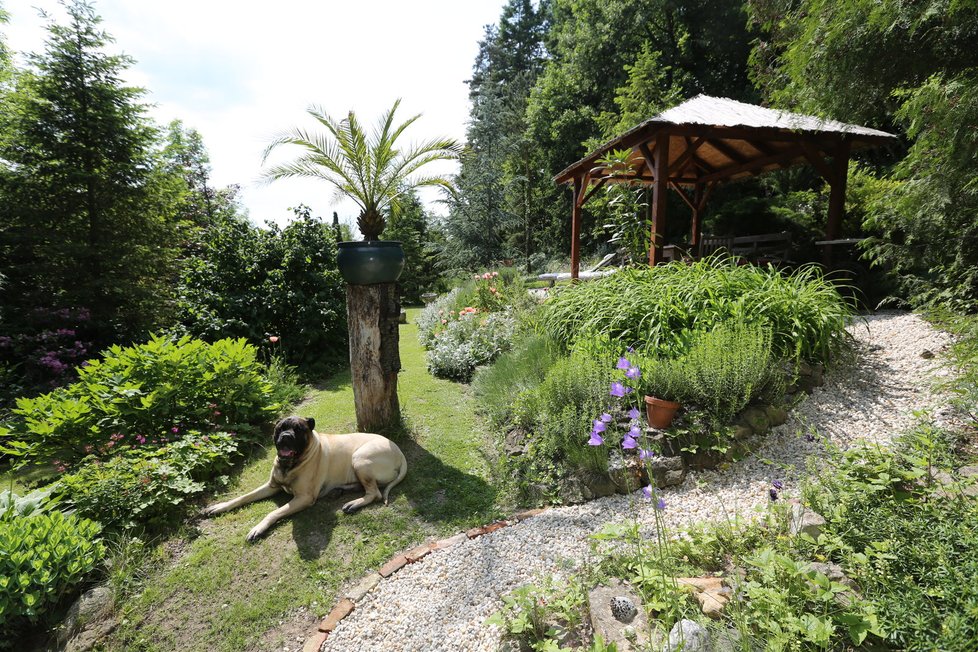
{"x":716,"y":138}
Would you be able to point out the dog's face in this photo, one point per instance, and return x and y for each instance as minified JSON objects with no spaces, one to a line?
{"x":292,"y":436}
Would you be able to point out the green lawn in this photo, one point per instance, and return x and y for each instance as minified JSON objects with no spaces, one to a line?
{"x":217,"y":592}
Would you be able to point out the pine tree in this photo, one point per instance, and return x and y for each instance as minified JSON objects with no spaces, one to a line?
{"x":85,"y":218}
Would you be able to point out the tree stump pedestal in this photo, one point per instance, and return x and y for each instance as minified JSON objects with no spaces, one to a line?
{"x":372,"y":313}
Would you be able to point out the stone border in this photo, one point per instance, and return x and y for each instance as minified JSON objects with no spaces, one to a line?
{"x":369,"y":582}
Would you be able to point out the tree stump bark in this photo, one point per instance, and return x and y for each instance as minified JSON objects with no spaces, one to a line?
{"x":372,"y":313}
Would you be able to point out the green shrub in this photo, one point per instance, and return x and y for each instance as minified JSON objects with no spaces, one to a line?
{"x":255,"y":282}
{"x":725,"y":370}
{"x":912,"y":549}
{"x":472,"y":340}
{"x":44,"y":555}
{"x":557,"y":415}
{"x":152,"y":393}
{"x":149,"y":488}
{"x":660,"y":310}
{"x":514,"y":374}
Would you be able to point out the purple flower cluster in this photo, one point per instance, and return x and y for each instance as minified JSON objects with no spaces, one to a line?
{"x":630,"y":441}
{"x":775,"y":491}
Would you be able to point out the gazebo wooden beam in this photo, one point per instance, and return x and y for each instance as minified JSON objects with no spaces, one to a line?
{"x":754,"y":164}
{"x":816,"y":157}
{"x":658,"y":203}
{"x":728,"y":151}
{"x":687,"y":156}
{"x":576,"y":230}
{"x":583,"y":199}
{"x":682,"y":195}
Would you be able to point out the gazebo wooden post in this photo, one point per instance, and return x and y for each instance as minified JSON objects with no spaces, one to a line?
{"x":660,"y":170}
{"x":837,"y":197}
{"x":697,"y":211}
{"x":576,"y":228}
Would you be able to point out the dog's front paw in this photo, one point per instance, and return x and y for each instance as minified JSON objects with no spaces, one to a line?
{"x":352,"y":507}
{"x":211,"y":510}
{"x":255,"y":533}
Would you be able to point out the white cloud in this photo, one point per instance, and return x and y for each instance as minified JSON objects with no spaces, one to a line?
{"x":240,"y":71}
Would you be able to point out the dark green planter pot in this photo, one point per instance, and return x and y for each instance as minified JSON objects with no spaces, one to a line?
{"x":369,"y":262}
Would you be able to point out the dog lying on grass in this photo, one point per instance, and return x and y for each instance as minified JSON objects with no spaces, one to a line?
{"x":309,"y":465}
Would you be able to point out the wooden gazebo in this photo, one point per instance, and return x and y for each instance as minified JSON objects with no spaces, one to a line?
{"x":694,"y":146}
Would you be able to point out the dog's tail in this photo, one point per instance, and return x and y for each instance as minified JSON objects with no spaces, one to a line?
{"x":400,"y":476}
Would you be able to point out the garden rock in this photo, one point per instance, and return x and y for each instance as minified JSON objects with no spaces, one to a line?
{"x":969,"y":475}
{"x":600,"y":485}
{"x":805,"y":521}
{"x":516,"y":443}
{"x":667,"y":471}
{"x":727,"y":640}
{"x":573,"y":491}
{"x":776,"y":415}
{"x":689,"y":636}
{"x":756,"y":419}
{"x":742,"y":432}
{"x":710,"y":592}
{"x":618,"y":617}
{"x":627,"y":474}
{"x":90,"y":606}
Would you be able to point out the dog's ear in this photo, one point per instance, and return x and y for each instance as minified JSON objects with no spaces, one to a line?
{"x":311,"y":423}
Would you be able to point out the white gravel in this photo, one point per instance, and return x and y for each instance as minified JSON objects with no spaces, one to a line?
{"x":441,"y":602}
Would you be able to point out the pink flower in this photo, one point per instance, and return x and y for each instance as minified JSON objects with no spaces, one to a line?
{"x":217,"y":413}
{"x":444,"y":321}
{"x":273,"y":339}
{"x":174,"y":430}
{"x":495,"y":274}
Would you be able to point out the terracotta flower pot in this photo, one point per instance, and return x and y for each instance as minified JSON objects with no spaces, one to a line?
{"x":660,"y":412}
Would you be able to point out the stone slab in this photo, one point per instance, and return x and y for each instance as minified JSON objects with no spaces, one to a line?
{"x":416,"y":554}
{"x":528,"y":513}
{"x":339,"y":612}
{"x":315,"y":642}
{"x":394,"y":565}
{"x":442,"y":544}
{"x":364,"y":586}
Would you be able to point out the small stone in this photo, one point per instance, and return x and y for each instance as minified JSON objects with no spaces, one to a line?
{"x":926,"y":354}
{"x":394,"y":565}
{"x":339,"y":612}
{"x":805,"y":521}
{"x":492,"y":527}
{"x":516,"y":442}
{"x":688,"y":636}
{"x":623,"y":609}
{"x":364,"y":586}
{"x":315,"y":642}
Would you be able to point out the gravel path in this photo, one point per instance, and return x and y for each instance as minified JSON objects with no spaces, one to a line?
{"x":441,"y":602}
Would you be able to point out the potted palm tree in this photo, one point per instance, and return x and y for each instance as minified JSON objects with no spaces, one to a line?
{"x":370,"y":169}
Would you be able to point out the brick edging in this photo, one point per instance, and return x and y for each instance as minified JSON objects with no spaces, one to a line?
{"x":369,"y":582}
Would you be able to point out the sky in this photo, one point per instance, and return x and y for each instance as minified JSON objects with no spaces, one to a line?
{"x":241,"y":71}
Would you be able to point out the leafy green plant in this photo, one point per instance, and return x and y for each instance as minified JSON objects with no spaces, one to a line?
{"x":660,"y":311}
{"x":472,"y":340}
{"x":369,"y":168}
{"x":790,"y":602}
{"x":536,"y":615}
{"x":268,"y":282}
{"x":149,"y":393}
{"x":727,"y":368}
{"x":44,"y":556}
{"x":146,"y":488}
{"x":514,"y":374}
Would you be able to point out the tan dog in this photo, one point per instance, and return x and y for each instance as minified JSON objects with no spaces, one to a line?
{"x":310,"y":465}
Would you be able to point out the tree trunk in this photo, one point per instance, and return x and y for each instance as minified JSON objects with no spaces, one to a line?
{"x":373,"y":312}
